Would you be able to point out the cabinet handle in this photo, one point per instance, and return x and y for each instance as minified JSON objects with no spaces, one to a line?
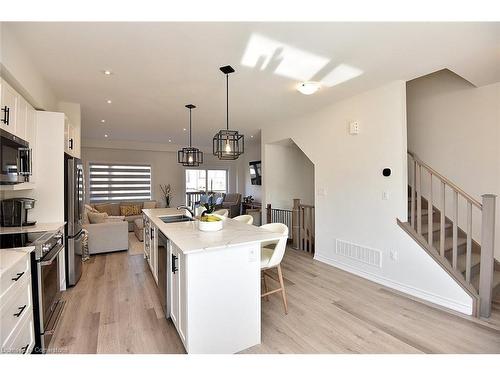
{"x":19,"y":274}
{"x":71,"y":144}
{"x":24,"y":348}
{"x":174,"y":267}
{"x":21,"y":309}
{"x":6,"y":111}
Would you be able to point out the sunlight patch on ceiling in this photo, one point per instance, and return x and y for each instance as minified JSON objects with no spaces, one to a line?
{"x":284,"y":60}
{"x":341,"y":73}
{"x":264,"y":53}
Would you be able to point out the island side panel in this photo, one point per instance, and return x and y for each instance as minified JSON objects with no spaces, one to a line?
{"x":223,"y":299}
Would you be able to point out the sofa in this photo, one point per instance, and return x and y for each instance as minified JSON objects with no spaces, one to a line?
{"x":107,"y":236}
{"x":115,"y":209}
{"x":232,"y":203}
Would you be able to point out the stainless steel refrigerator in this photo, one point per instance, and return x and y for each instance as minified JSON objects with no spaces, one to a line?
{"x":73,"y":215}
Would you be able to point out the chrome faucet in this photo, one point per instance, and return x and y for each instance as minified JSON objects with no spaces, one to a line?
{"x":187,"y":209}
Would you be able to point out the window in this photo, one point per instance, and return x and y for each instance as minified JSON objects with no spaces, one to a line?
{"x":199,"y":180}
{"x":119,"y":182}
{"x":217,"y":181}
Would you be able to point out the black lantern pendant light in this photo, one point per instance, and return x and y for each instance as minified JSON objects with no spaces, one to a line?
{"x":190,"y":156}
{"x":228,"y":144}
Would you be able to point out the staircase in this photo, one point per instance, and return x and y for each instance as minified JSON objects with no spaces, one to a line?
{"x":451,"y":226}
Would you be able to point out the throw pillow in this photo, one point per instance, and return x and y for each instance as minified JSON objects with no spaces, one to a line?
{"x":111,"y":209}
{"x":150,"y":204}
{"x":130,"y":210}
{"x":97,"y":218}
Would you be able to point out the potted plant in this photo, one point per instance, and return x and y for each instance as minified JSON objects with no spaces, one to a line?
{"x":167,"y":194}
{"x":208,"y":221}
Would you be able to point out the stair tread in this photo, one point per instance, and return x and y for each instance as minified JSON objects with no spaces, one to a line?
{"x":435,"y":226}
{"x":496,"y":280}
{"x":462,"y":260}
{"x":448,"y":243}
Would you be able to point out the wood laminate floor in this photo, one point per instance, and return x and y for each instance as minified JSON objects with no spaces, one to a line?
{"x":115,"y":309}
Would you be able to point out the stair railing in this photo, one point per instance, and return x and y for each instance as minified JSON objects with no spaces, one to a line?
{"x":300,"y":223}
{"x":487,"y":209}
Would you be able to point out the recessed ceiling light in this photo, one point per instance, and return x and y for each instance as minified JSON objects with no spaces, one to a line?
{"x":107,"y":72}
{"x":103,"y":121}
{"x":169,"y":141}
{"x":308,"y":88}
{"x":251,"y":136}
{"x":109,"y":101}
{"x":105,"y":136}
{"x":184,"y":129}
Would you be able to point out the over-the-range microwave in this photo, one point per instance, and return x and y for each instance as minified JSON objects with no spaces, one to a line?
{"x":15,"y":159}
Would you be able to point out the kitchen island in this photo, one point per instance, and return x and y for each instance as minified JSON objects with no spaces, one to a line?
{"x":211,"y":285}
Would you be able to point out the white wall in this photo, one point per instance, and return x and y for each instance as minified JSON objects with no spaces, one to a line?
{"x":20,"y":71}
{"x":292,"y":175}
{"x":349,"y":187}
{"x":252,"y":153}
{"x":455,"y":128}
{"x":164,"y":167}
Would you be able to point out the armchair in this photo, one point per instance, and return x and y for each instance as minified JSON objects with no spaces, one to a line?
{"x":232,"y":203}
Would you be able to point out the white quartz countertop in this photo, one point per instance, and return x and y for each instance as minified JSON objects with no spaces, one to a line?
{"x":38,"y":227}
{"x":189,"y":238}
{"x":8,"y":257}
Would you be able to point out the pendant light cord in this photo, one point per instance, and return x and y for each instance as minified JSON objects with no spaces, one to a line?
{"x":227,"y":101}
{"x":189,"y":127}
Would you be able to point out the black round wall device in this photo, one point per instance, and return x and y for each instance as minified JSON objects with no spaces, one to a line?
{"x":386,"y":172}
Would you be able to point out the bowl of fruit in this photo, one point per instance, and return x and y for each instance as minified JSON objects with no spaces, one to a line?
{"x":210,"y":223}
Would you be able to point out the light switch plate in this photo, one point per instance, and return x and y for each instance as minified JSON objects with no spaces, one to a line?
{"x":354,"y":128}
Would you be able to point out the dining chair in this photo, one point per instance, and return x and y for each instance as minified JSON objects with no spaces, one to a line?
{"x":247,"y":219}
{"x":272,"y":253}
{"x":222,"y":212}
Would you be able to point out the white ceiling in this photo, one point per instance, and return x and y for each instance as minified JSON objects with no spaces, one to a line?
{"x":160,"y":67}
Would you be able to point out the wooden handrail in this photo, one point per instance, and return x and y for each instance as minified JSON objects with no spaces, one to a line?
{"x":448,"y":182}
{"x":487,"y":209}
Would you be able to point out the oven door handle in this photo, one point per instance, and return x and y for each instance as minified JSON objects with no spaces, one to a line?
{"x":49,"y":262}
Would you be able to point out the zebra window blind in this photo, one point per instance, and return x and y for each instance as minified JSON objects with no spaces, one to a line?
{"x":119,"y":182}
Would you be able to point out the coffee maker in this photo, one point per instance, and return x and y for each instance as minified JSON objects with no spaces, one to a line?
{"x":14,"y":212}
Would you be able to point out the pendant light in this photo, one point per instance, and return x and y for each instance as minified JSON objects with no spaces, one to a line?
{"x":190,"y":156}
{"x":228,"y":144}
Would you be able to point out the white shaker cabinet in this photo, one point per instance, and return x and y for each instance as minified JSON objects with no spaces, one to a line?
{"x":16,"y":303}
{"x":178,"y":291}
{"x":8,"y":104}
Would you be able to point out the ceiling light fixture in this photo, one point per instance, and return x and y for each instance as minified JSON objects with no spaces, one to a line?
{"x":228,"y":144}
{"x":109,"y":101}
{"x":190,"y":156}
{"x":308,"y":88}
{"x":103,"y":121}
{"x":105,"y":136}
{"x":107,"y":72}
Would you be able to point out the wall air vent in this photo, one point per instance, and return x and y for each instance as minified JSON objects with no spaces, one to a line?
{"x":362,"y":254}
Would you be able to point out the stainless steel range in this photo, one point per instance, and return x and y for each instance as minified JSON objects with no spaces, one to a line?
{"x":47,"y":301}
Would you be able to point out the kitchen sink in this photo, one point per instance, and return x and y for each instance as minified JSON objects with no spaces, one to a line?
{"x":175,"y":218}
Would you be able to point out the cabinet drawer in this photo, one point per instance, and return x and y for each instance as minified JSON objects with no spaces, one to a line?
{"x":16,"y":304}
{"x":23,"y":339}
{"x":15,"y":275}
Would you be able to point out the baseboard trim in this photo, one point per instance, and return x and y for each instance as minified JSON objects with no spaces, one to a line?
{"x":406,"y":289}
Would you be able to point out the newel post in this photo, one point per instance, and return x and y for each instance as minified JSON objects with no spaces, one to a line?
{"x":296,"y":223}
{"x":268,"y":214}
{"x":487,"y":255}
